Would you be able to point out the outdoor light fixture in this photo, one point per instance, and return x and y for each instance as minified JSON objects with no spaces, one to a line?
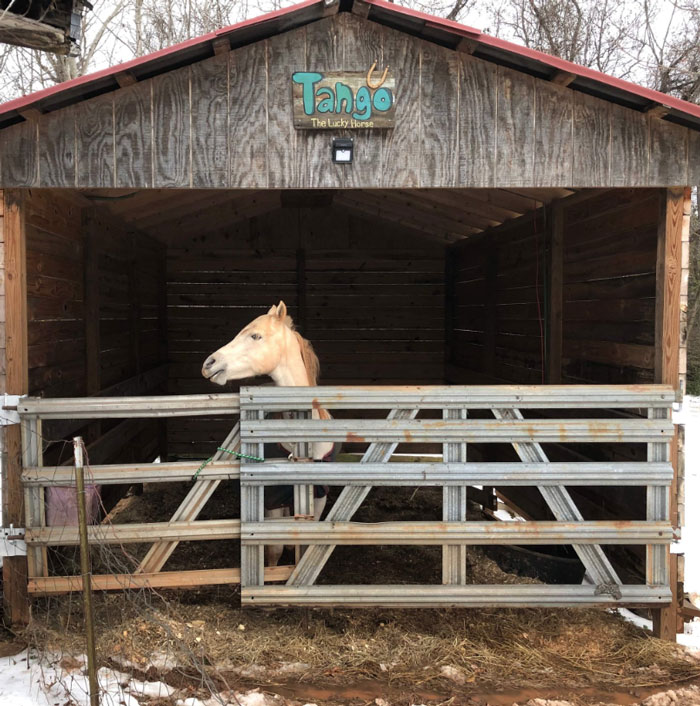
{"x":342,"y":150}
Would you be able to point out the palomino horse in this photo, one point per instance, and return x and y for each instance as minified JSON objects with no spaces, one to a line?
{"x":269,"y":345}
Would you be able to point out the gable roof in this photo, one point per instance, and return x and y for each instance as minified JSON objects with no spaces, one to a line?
{"x":428,"y":27}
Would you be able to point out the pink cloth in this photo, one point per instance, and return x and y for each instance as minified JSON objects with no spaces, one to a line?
{"x":62,"y":506}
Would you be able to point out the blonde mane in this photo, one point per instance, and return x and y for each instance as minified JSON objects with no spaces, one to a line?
{"x":308,"y":355}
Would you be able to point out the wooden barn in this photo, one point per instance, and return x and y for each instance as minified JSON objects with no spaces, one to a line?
{"x":438,"y":208}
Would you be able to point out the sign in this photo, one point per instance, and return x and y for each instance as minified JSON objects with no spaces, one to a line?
{"x":339,"y":100}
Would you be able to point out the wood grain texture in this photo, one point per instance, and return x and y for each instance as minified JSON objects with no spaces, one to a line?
{"x":57,"y":149}
{"x":133,"y":127}
{"x":363,"y":44}
{"x":324,"y":52}
{"x":515,"y":127}
{"x":553,"y":135}
{"x":693,"y":157}
{"x":19,"y":161}
{"x":248,"y":116}
{"x":210,"y":128}
{"x":402,"y":145}
{"x":285,"y":149}
{"x":591,"y":141}
{"x":668,"y":158}
{"x":478,"y":81}
{"x":440,"y":102}
{"x":171,"y":129}
{"x":95,"y":142}
{"x":629,"y":159}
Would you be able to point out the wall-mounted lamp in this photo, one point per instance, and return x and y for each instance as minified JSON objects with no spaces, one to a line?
{"x":342,"y":150}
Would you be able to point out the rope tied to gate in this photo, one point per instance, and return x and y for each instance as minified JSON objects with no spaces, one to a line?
{"x":238,"y":454}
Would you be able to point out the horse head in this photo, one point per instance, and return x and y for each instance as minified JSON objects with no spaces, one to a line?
{"x":268,"y":345}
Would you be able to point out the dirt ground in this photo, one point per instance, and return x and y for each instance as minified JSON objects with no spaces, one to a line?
{"x":360,"y":657}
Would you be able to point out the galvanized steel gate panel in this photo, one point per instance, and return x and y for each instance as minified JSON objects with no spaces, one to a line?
{"x":642,"y":414}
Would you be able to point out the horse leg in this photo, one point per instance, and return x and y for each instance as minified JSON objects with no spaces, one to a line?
{"x":273,"y":552}
{"x":319,"y":505}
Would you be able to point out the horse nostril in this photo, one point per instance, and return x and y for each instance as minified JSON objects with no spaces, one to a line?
{"x":209,"y":361}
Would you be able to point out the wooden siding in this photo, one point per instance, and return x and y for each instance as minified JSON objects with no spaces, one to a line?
{"x":367,"y":294}
{"x":608,"y":293}
{"x":461,"y":122}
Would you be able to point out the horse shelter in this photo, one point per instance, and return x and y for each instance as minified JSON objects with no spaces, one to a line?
{"x":486,"y":245}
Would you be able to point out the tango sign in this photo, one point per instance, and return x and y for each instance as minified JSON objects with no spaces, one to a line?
{"x":343,"y":100}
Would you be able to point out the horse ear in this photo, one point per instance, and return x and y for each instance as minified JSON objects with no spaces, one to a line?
{"x":272,"y":310}
{"x":282,"y":310}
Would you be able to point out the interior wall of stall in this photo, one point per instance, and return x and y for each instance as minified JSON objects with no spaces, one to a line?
{"x":96,"y":319}
{"x":499,"y":323}
{"x":368,"y":294}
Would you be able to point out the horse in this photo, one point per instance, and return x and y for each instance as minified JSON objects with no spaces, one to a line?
{"x":270,"y":345}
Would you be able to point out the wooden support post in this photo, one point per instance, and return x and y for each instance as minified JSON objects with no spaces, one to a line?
{"x":672,"y":204}
{"x":15,"y":600}
{"x":163,"y":348}
{"x":491,"y":308}
{"x":91,"y":294}
{"x":450,"y":278}
{"x":555,"y":301}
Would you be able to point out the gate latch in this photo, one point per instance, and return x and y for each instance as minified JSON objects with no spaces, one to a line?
{"x":12,"y":541}
{"x":9,"y":414}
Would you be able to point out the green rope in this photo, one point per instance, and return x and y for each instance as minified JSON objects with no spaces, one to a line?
{"x":238,"y":454}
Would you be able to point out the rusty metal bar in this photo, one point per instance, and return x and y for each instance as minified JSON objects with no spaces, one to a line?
{"x":463,"y":431}
{"x":458,"y":473}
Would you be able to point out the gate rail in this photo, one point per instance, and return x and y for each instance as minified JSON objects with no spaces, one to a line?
{"x":524,"y":417}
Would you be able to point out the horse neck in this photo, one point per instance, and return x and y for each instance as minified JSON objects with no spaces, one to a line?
{"x":291,"y":371}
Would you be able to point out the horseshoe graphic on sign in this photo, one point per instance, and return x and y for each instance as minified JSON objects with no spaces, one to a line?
{"x":369,"y":76}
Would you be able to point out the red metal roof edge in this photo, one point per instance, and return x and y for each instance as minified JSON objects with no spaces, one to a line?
{"x":430,"y":20}
{"x":29,"y":99}
{"x":547,"y":59}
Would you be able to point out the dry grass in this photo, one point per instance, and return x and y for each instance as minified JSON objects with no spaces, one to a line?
{"x":404,"y":648}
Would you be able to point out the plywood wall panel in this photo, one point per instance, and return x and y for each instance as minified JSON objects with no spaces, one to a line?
{"x":133,"y":127}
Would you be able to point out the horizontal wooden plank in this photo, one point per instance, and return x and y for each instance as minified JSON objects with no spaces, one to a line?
{"x":136,"y":533}
{"x":53,"y":585}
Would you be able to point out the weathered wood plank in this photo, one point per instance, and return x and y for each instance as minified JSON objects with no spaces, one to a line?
{"x":401,"y":146}
{"x":210,"y":126}
{"x":515,"y":146}
{"x":668,"y":149}
{"x":591,"y":141}
{"x":57,"y":149}
{"x":439,"y":124}
{"x":19,"y":161}
{"x":553,"y":135}
{"x":95,"y":142}
{"x":629,"y":159}
{"x":478,"y":81}
{"x":171,"y":129}
{"x":324,"y":52}
{"x":363,"y":44}
{"x":133,"y":135}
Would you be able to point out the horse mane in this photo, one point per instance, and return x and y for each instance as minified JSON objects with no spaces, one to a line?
{"x":308,"y":355}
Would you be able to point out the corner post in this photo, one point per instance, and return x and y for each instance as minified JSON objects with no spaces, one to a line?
{"x":16,"y":382}
{"x":672,"y":205}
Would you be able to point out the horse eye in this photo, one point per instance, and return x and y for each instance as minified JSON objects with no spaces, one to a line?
{"x":255,"y":336}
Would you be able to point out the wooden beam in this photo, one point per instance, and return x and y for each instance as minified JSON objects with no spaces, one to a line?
{"x":467,"y":45}
{"x":221,"y":45}
{"x":563,"y":78}
{"x":125,"y":79}
{"x":672,"y":206}
{"x":555,"y":301}
{"x":165,"y":579}
{"x":657,"y":110}
{"x":16,"y":604}
{"x":91,"y":297}
{"x":361,"y":8}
